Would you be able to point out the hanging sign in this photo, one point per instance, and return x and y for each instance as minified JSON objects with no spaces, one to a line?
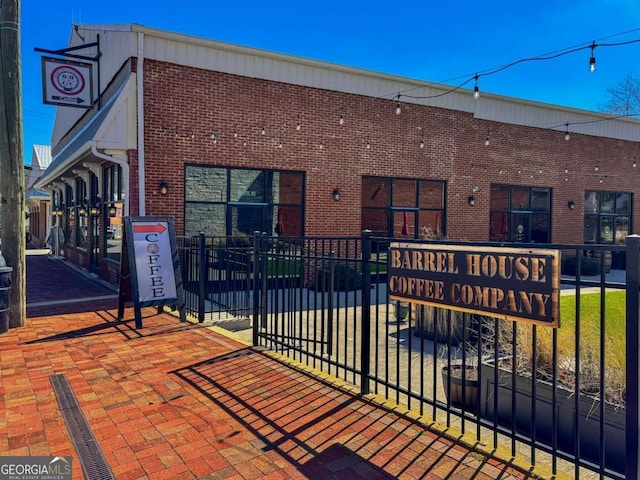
{"x":511,"y":283}
{"x":67,"y":83}
{"x":149,"y":267}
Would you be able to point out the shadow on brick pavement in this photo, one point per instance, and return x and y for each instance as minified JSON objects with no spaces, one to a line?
{"x":181,"y":400}
{"x":56,"y":287}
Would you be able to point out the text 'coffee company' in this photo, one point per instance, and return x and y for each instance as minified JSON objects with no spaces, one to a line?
{"x":512,"y":283}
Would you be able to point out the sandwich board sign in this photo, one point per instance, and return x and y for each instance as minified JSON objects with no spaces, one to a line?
{"x":149,"y":267}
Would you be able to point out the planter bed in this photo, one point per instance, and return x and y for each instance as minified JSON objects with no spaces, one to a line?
{"x":588,"y":416}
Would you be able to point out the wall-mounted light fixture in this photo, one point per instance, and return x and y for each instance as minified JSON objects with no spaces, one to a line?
{"x":112,"y":211}
{"x":571,"y":204}
{"x":94,"y":211}
{"x":164,"y":188}
{"x":82,"y":211}
{"x":336,"y":194}
{"x":471,"y":200}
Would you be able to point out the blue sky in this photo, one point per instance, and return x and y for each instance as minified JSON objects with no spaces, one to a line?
{"x":435,"y":41}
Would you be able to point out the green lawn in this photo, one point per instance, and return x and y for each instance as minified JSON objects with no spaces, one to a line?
{"x":590,"y":340}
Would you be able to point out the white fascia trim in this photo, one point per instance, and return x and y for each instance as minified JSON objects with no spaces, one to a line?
{"x":63,"y":167}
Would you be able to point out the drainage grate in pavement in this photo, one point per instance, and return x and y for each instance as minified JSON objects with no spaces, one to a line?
{"x":92,"y":460}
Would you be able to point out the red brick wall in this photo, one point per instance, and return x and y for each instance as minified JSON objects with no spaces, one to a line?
{"x":184,"y":105}
{"x":134,"y":191}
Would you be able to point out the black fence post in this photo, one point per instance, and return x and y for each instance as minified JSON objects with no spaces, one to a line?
{"x":365,"y":346}
{"x":202,"y":276}
{"x":633,"y":364}
{"x":332,"y":288}
{"x":256,"y":285}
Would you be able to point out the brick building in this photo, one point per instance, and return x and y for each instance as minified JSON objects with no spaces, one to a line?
{"x":229,"y":140}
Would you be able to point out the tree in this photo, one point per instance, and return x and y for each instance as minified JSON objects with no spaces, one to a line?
{"x":12,"y":183}
{"x":624,"y":98}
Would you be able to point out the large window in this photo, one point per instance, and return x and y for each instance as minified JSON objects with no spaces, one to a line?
{"x":607,"y":217}
{"x":69,"y":217}
{"x":395,"y":207}
{"x":226,"y":201}
{"x":520,"y":214}
{"x":81,"y":213}
{"x":113,"y":212}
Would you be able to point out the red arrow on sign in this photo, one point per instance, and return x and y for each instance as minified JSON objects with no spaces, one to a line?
{"x":158,"y":228}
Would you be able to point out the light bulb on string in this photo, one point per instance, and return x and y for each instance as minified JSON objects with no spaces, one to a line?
{"x":487,"y":141}
{"x":264,"y":131}
{"x":321,"y":144}
{"x":596,"y":168}
{"x":341,"y":121}
{"x":298,"y":125}
{"x":476,"y":90}
{"x":421,"y":143}
{"x":592,"y":60}
{"x":567,"y":136}
{"x":398,"y":108}
{"x":368,"y":143}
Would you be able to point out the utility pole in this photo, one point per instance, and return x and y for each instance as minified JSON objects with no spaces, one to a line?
{"x":12,"y":182}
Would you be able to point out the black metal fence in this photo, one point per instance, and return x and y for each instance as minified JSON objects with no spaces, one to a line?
{"x":566,"y":398}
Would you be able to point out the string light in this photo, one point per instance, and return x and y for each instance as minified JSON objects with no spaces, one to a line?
{"x":476,"y":94}
{"x":551,"y":56}
{"x":596,"y":168}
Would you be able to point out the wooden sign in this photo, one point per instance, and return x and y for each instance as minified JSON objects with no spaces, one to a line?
{"x":511,"y":283}
{"x":149,"y":266}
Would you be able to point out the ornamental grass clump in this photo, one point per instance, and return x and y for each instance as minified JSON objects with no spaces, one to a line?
{"x":538,"y":344}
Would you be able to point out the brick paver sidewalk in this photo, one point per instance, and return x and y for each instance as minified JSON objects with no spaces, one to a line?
{"x":178,"y":400}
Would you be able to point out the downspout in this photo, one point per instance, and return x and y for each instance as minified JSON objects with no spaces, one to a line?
{"x":140,"y":107}
{"x":125,"y":171}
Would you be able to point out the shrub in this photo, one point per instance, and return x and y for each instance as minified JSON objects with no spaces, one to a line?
{"x":588,"y":266}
